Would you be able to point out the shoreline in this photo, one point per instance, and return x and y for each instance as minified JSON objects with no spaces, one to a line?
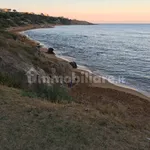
{"x":29,"y":27}
{"x":117,"y":87}
{"x":106,"y":85}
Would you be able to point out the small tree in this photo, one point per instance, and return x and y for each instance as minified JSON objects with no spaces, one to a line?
{"x":14,"y":10}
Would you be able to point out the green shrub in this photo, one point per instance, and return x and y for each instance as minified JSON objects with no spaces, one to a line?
{"x":2,"y":43}
{"x":7,"y":34}
{"x":55,"y":93}
{"x":12,"y":80}
{"x":29,"y":94}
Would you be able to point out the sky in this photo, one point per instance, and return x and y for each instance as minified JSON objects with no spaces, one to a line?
{"x":96,"y":11}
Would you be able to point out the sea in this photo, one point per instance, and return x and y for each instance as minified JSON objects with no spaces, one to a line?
{"x":118,"y":52}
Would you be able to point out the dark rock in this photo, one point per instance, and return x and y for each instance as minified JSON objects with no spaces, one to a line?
{"x":15,"y":37}
{"x":1,"y":59}
{"x":73,"y":64}
{"x":38,"y":46}
{"x":50,"y":51}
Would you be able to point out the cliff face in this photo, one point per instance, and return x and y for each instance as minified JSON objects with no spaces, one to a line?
{"x":18,"y":56}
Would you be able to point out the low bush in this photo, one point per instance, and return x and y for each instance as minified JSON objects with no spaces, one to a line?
{"x":7,"y":34}
{"x":12,"y":80}
{"x":55,"y":93}
{"x":29,"y":94}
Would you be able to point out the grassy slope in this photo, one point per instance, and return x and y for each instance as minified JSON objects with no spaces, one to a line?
{"x":18,"y":54}
{"x":99,"y":118}
{"x":35,"y":124}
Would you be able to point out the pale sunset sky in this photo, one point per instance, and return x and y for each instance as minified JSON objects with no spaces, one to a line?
{"x":97,"y":11}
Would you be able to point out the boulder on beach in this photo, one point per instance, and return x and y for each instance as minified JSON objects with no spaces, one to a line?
{"x":50,"y":51}
{"x":74,"y":65}
{"x":38,"y":45}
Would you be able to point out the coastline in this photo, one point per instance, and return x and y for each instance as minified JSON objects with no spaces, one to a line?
{"x":106,"y":85}
{"x":29,"y":27}
{"x":117,"y":87}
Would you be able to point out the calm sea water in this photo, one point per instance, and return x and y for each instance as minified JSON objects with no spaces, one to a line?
{"x":121,"y":51}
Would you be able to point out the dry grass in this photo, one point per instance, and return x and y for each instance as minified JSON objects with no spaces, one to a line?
{"x":98,"y":119}
{"x":35,"y":124}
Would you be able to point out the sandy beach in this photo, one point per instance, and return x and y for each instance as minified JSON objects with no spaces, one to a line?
{"x":29,"y":27}
{"x":117,"y":88}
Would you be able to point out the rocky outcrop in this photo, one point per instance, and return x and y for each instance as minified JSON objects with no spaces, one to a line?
{"x":50,"y":51}
{"x":74,"y":65}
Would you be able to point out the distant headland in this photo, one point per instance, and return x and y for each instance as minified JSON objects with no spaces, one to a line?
{"x":13,"y":18}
